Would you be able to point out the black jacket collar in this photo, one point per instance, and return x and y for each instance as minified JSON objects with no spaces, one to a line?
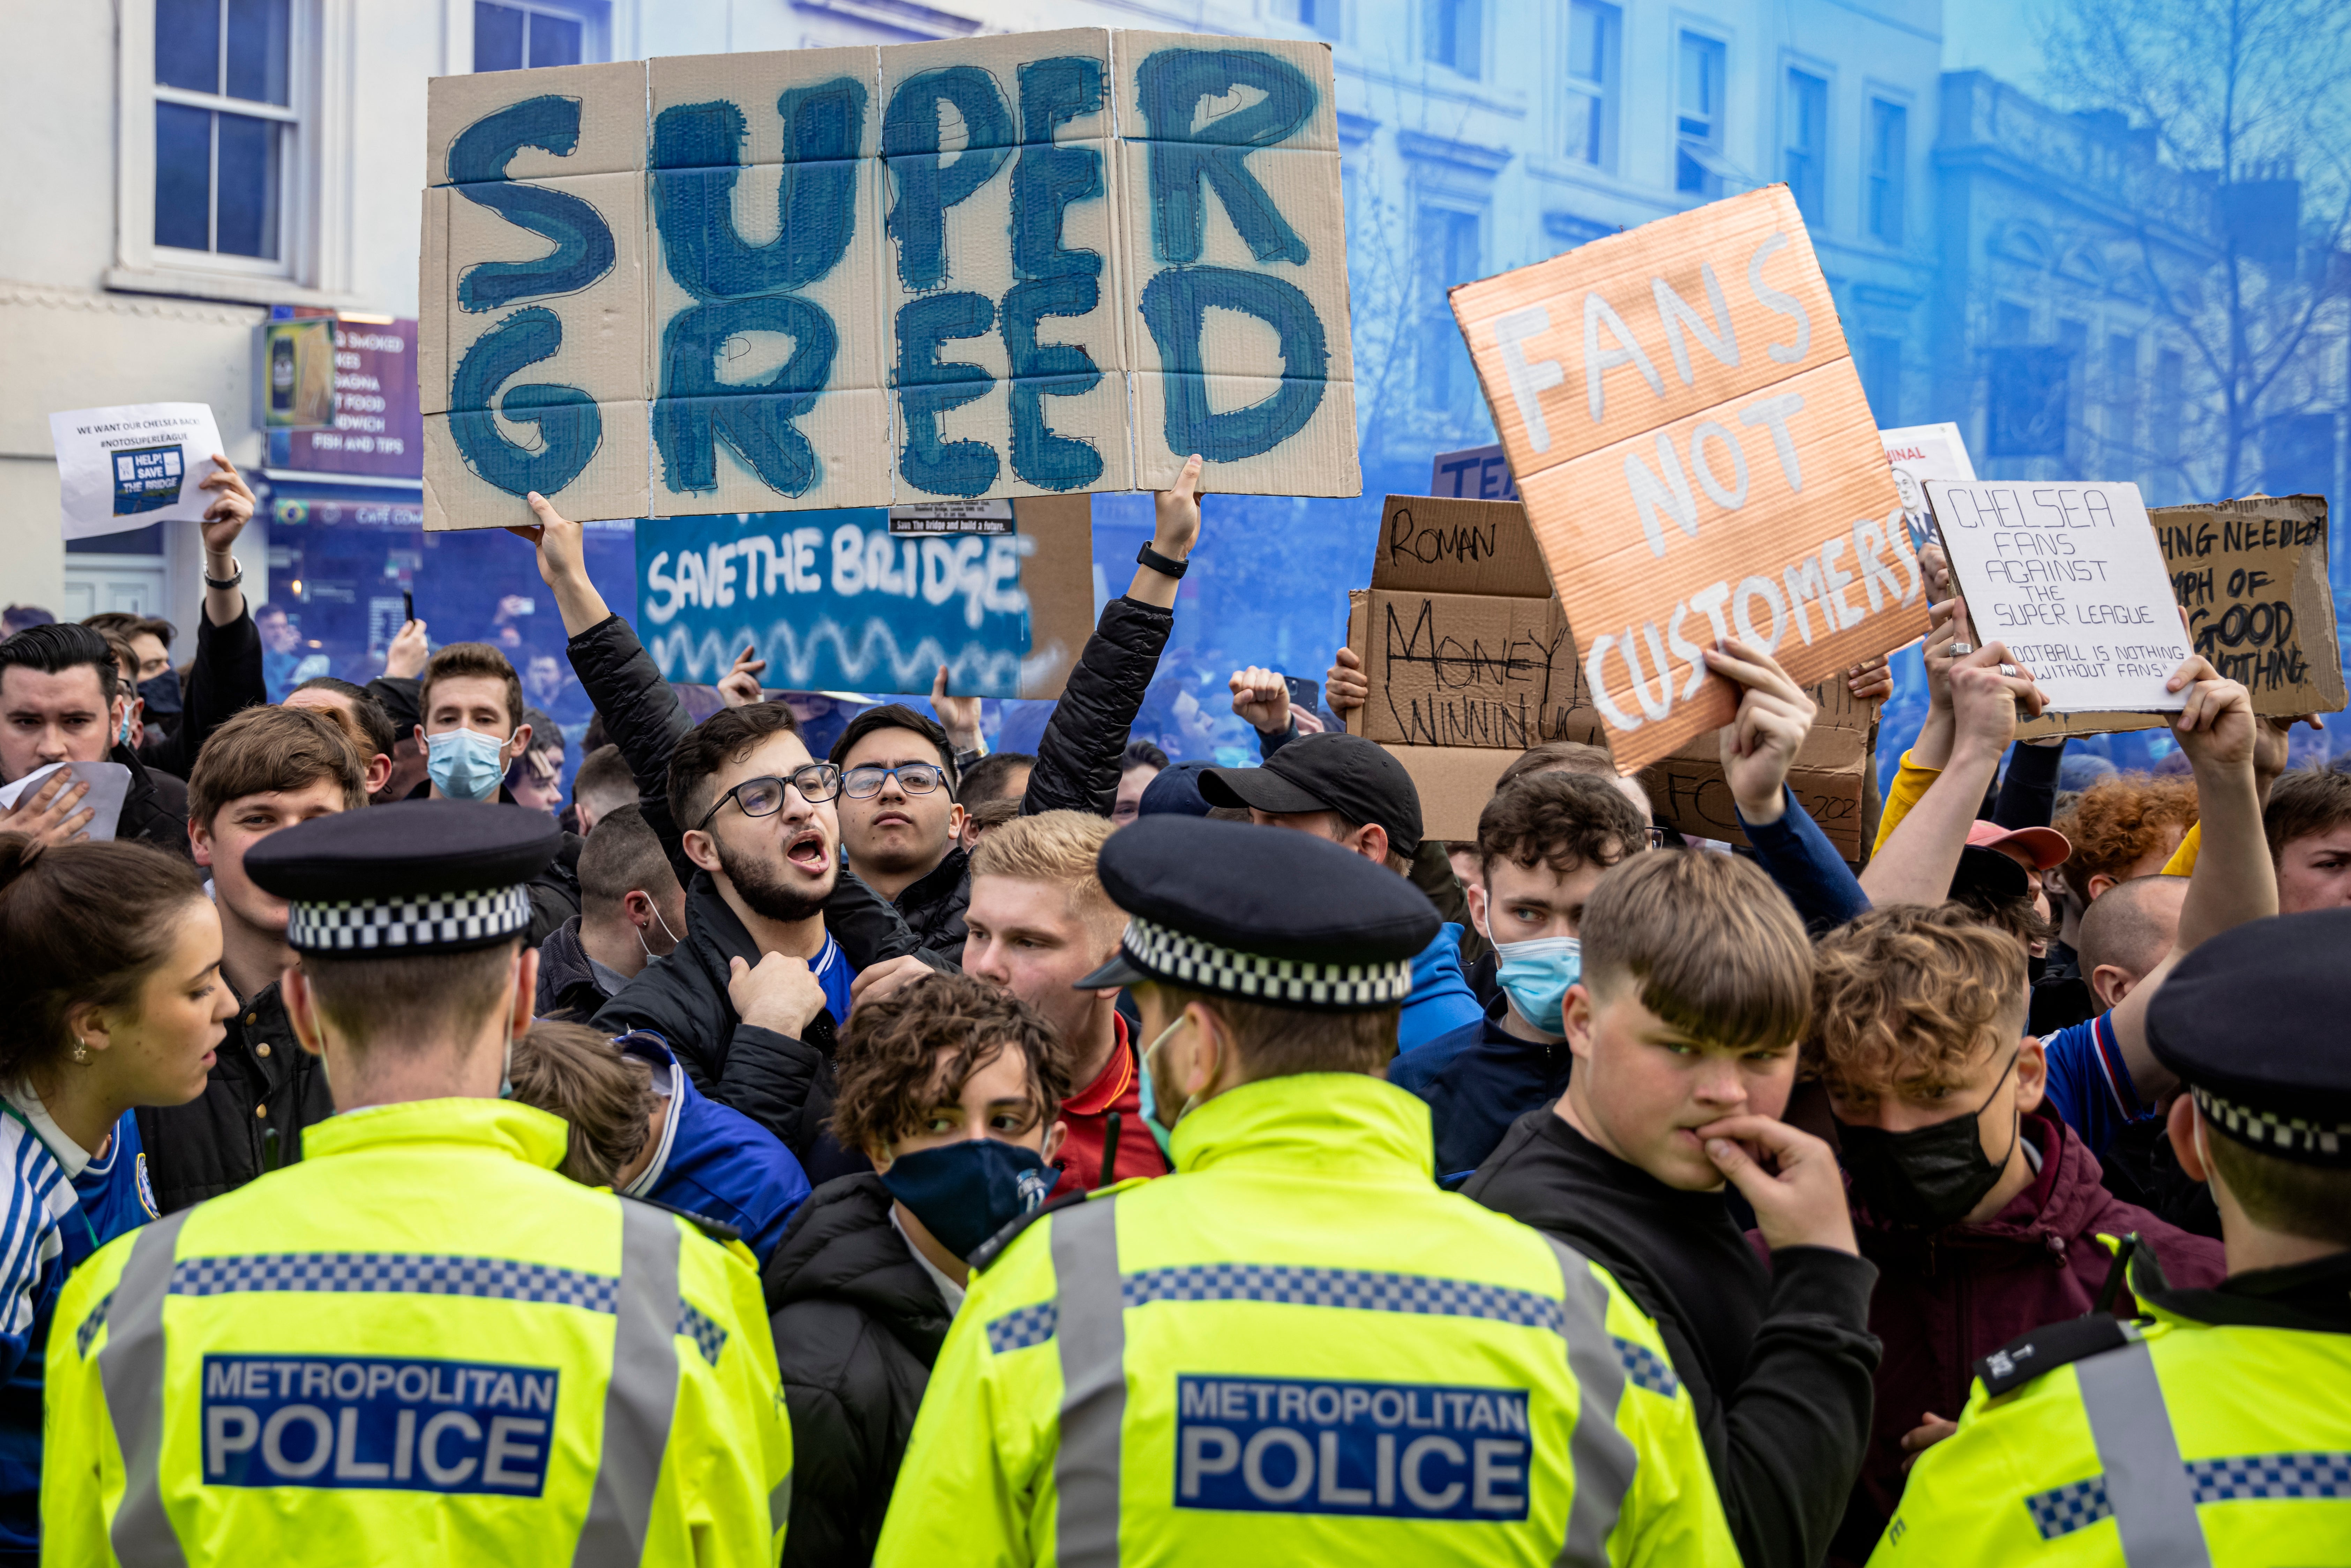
{"x":2313,"y":1297}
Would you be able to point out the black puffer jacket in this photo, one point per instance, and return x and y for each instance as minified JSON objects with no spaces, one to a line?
{"x":567,"y":980}
{"x":645,"y":720}
{"x":857,"y":1324}
{"x":933,"y":904}
{"x":782,"y":1083}
{"x":155,"y":807}
{"x":215,"y":1143}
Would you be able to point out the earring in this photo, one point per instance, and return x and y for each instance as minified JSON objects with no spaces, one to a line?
{"x":80,"y":1052}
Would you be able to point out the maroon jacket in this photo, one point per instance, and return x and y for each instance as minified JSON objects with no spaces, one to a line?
{"x":1946,"y":1298}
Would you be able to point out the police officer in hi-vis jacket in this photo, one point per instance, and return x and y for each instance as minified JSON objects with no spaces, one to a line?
{"x":2215,"y":1430}
{"x":419,"y":1344}
{"x":1295,"y":1348}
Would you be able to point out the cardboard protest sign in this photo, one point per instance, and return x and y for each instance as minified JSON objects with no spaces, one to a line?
{"x":2069,"y":577}
{"x":1830,"y":774}
{"x":1475,"y":473}
{"x":124,"y":468}
{"x":1469,"y":660}
{"x":1917,"y":454}
{"x":532,"y":361}
{"x":1697,"y":460}
{"x":1228,"y":186}
{"x":836,"y":601}
{"x":2252,"y":575}
{"x":1024,"y":264}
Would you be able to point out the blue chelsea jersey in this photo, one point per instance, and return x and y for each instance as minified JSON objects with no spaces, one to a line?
{"x":53,"y":1221}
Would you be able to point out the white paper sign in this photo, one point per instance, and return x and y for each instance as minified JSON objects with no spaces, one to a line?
{"x":110,"y":786}
{"x":2070,"y":577}
{"x":1919,"y":453}
{"x":123,"y":468}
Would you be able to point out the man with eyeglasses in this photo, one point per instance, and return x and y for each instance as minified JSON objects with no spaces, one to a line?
{"x":751,"y":999}
{"x":901,"y":822}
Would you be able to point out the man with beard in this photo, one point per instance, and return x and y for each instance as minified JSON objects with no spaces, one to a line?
{"x":750,"y":999}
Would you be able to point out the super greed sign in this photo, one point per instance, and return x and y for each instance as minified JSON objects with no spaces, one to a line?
{"x":1696,"y":459}
{"x":834,"y":601}
{"x":1018,"y":265}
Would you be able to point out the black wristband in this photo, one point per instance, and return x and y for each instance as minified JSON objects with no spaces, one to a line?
{"x":212,"y":581}
{"x":1165,"y":565}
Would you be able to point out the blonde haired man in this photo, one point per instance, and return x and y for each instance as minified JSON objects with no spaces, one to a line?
{"x":1038,"y":920}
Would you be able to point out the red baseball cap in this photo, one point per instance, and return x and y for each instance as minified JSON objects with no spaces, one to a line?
{"x":2039,"y":848}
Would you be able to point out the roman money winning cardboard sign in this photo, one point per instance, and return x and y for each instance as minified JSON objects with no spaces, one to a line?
{"x":1016,"y":266}
{"x":1696,"y":455}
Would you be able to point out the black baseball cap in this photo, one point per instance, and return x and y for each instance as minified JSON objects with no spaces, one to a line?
{"x":1330,"y":772}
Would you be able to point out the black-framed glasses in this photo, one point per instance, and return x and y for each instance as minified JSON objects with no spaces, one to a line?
{"x":1656,"y":837}
{"x":914,"y":777}
{"x":764,"y":796}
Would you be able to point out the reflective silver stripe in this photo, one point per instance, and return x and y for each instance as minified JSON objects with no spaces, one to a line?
{"x":130,"y":1370}
{"x":2147,"y":1487}
{"x":779,"y":1504}
{"x":1602,"y":1456}
{"x":639,"y":1401}
{"x":1092,"y":1339}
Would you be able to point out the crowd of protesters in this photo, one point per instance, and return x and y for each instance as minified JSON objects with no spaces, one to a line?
{"x":1840,"y":1131}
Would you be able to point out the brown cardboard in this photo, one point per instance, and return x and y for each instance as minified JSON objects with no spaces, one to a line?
{"x":617,"y":345}
{"x":2252,"y":575}
{"x":1454,"y":783}
{"x":1438,"y":544}
{"x":1689,"y":436}
{"x":1694,"y":797}
{"x":1455,"y":669}
{"x":1059,"y":582}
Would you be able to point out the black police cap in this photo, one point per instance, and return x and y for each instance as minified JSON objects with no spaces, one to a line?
{"x":1266,"y":914}
{"x":411,"y":876}
{"x":1330,"y":772}
{"x":2253,"y":1020}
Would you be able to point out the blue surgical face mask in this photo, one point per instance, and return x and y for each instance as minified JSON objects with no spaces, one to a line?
{"x":1537,"y":974}
{"x":122,"y":733}
{"x":464,"y":764}
{"x":964,"y":1193}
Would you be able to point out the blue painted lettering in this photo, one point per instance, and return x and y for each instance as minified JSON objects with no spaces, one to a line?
{"x":925,"y":181}
{"x":477,"y":165}
{"x":571,"y":426}
{"x":755,"y":419}
{"x":1171,"y":84}
{"x":929,"y":387}
{"x":1175,"y":306}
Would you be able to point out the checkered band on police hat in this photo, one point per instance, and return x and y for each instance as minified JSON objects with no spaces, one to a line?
{"x":1223,"y":972}
{"x":2288,"y":1137}
{"x":448,"y":922}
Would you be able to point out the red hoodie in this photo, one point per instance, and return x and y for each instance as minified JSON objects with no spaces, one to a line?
{"x":1945,"y":1298}
{"x":1086,"y":1114}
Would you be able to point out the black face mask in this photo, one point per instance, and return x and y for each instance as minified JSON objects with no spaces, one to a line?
{"x":1929,"y":1176}
{"x":161,"y":693}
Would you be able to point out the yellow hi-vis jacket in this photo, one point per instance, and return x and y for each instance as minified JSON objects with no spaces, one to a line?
{"x":418,"y":1345}
{"x":1298,"y":1349}
{"x":2218,"y":1435}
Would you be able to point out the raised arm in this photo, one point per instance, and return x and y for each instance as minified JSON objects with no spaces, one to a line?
{"x":1758,"y":748}
{"x":2234,"y":880}
{"x":1078,"y":756}
{"x":1916,"y":862}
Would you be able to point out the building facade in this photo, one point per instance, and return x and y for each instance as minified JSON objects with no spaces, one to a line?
{"x":182,"y":167}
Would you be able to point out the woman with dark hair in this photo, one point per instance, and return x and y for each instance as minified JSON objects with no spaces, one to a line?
{"x":113,"y":954}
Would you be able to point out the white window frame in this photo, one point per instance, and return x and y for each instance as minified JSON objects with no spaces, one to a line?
{"x":317,"y":182}
{"x":1712,"y":152}
{"x":1822,"y":151}
{"x":597,"y":28}
{"x":1577,"y":93}
{"x":1872,"y":94}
